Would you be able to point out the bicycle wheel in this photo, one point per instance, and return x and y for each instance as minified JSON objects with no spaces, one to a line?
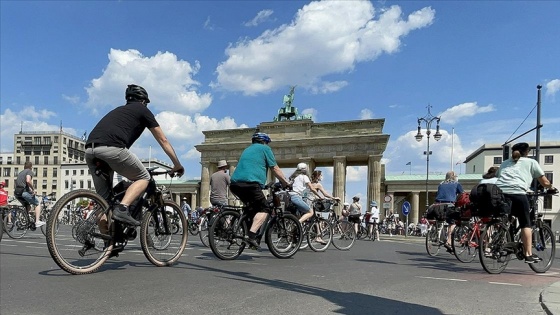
{"x":16,"y":223}
{"x":432,"y":241}
{"x":464,"y":244}
{"x":45,"y":217}
{"x":493,"y":256}
{"x":321,"y":230}
{"x":163,"y":242}
{"x":226,"y":235}
{"x":544,"y":246}
{"x":203,"y":231}
{"x":193,"y":228}
{"x":90,"y":247}
{"x":362,"y":232}
{"x":283,"y":237}
{"x":344,"y":235}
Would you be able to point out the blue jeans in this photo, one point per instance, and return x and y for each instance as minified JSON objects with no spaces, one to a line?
{"x":31,"y":199}
{"x":302,"y":207}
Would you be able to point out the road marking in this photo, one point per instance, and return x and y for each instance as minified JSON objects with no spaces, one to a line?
{"x":447,"y":279}
{"x":3,"y":244}
{"x":249,"y":263}
{"x":505,"y":283}
{"x":34,"y":247}
{"x":548,"y":274}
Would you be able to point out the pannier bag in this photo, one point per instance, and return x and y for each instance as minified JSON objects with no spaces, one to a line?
{"x":322,"y":206}
{"x":488,"y":200}
{"x":436,"y":212}
{"x":463,"y":204}
{"x":452,"y":213}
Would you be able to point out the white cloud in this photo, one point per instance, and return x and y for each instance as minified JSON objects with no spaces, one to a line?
{"x":325,"y":38}
{"x":71,"y":99}
{"x":458,"y":112}
{"x":261,"y":17}
{"x":366,"y":114}
{"x":168,"y":81}
{"x":208,"y":25}
{"x":356,"y":173}
{"x":314,"y":113}
{"x":552,"y":87}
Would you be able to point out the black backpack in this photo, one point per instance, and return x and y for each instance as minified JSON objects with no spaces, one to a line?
{"x":488,"y":200}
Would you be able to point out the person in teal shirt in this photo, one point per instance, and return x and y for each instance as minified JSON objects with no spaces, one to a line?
{"x":515,"y":176}
{"x":249,"y":178}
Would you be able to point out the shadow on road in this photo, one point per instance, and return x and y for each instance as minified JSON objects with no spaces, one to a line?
{"x":350,"y":303}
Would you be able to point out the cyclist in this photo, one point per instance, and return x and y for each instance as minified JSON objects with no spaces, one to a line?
{"x":25,"y":192}
{"x":515,"y":176}
{"x":110,"y":140}
{"x":373,"y":221}
{"x":249,"y":178}
{"x":3,"y":195}
{"x":447,"y":193}
{"x":301,"y":184}
{"x":354,"y":212}
{"x":219,"y":183}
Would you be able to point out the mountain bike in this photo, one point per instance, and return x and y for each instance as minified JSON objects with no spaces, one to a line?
{"x":163,"y":234}
{"x":18,"y":220}
{"x":281,"y":230}
{"x":501,"y":240}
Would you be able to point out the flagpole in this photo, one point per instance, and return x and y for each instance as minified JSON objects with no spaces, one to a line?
{"x":150,"y":158}
{"x":452,"y":147}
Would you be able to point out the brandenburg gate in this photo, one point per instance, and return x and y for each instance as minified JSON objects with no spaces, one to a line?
{"x":337,"y":144}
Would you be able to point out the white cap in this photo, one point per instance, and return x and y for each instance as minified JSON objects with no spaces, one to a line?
{"x":302,"y":166}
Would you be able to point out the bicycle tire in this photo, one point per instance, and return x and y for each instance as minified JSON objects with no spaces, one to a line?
{"x":203,"y":232}
{"x":88,"y":251}
{"x":45,"y":218}
{"x":362,"y":232}
{"x":432,"y":241}
{"x":464,"y":244}
{"x":491,"y":252}
{"x":193,"y":228}
{"x":323,"y":229}
{"x":344,"y":235}
{"x":544,"y":246}
{"x":284,"y":236}
{"x":19,"y":225}
{"x":163,"y":248}
{"x":225,"y":235}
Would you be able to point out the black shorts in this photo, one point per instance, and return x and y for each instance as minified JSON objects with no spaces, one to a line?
{"x":521,"y":209}
{"x":250,"y":194}
{"x":355,"y":218}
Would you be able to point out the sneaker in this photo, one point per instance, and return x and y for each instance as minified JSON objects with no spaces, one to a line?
{"x":251,"y":241}
{"x":39,"y":224}
{"x":534,"y":257}
{"x":320,"y":241}
{"x":448,"y":247}
{"x":121,"y":214}
{"x":530,"y":260}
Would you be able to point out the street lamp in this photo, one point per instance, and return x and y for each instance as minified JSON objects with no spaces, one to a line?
{"x":428,"y":119}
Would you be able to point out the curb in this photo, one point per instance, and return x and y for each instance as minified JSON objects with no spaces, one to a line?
{"x":550,"y":299}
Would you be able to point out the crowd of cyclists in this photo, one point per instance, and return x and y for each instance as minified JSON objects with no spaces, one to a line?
{"x":117,"y":131}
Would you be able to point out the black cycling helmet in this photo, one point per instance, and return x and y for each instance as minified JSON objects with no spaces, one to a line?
{"x":261,"y":136}
{"x":136,"y":92}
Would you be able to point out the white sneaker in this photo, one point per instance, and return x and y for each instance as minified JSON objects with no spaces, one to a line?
{"x":39,"y":224}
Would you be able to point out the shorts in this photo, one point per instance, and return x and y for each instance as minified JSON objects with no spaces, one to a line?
{"x":373,"y":220}
{"x":301,"y":205}
{"x":355,"y":218}
{"x":29,"y":198}
{"x":250,"y":194}
{"x":521,"y":209}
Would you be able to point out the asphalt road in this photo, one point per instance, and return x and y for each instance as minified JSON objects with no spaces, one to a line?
{"x":394,"y":276}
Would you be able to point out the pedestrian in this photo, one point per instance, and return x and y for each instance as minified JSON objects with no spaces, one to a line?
{"x":355,"y":211}
{"x":186,"y":207}
{"x":490,"y":176}
{"x":447,"y":193}
{"x":249,"y":178}
{"x":110,"y":141}
{"x":373,"y":221}
{"x":3,"y":196}
{"x":26,"y":194}
{"x":219,"y":183}
{"x":515,"y":176}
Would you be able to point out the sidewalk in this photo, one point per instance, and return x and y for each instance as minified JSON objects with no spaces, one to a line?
{"x":549,"y":297}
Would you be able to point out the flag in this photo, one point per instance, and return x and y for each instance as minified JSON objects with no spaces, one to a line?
{"x":408,"y":163}
{"x":458,"y":163}
{"x":84,"y":136}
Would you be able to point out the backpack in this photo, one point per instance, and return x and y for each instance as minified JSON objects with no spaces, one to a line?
{"x":463,"y":204}
{"x":488,"y":200}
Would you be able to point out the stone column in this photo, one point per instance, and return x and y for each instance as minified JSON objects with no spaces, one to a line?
{"x":415,"y":205}
{"x":374,"y":180}
{"x":339,"y":179}
{"x":194,"y":204}
{"x":205,"y":185}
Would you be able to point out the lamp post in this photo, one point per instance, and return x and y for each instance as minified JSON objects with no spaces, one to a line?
{"x":427,"y":120}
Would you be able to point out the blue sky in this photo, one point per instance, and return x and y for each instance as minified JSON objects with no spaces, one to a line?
{"x":227,"y":64}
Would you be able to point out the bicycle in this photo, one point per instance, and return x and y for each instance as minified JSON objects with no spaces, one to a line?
{"x":193,"y":222}
{"x":18,"y":221}
{"x":163,"y":235}
{"x":436,"y":236}
{"x":344,"y":235}
{"x":315,"y":228}
{"x":282,"y":230}
{"x":501,"y":239}
{"x":362,"y":230}
{"x":205,"y":221}
{"x":466,"y":239}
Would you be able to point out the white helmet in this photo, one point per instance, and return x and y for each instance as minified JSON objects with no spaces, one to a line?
{"x":346,"y":204}
{"x":302,"y":166}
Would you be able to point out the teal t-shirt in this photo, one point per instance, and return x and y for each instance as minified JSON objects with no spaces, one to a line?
{"x":516,"y":178}
{"x":253,"y":164}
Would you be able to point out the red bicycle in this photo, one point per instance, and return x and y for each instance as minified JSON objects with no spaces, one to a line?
{"x":466,"y":239}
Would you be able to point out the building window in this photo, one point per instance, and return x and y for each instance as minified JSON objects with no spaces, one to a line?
{"x":16,"y":171}
{"x":46,"y":160}
{"x":82,"y":184}
{"x":55,"y":160}
{"x":547,"y":202}
{"x":45,"y":172}
{"x":46,"y":152}
{"x":548,"y":159}
{"x":81,"y":172}
{"x":55,"y":172}
{"x":67,"y":172}
{"x":28,"y":158}
{"x":6,"y":171}
{"x":27,"y":152}
{"x":474,"y":169}
{"x":37,"y":140}
{"x":44,"y":184}
{"x":66,"y":184}
{"x":35,"y":172}
{"x":89,"y":184}
{"x":55,"y":139}
{"x":47,"y":140}
{"x":18,"y":160}
{"x":497,"y":160}
{"x":36,"y":160}
{"x":36,"y":152}
{"x":35,"y":183}
{"x":74,"y":172}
